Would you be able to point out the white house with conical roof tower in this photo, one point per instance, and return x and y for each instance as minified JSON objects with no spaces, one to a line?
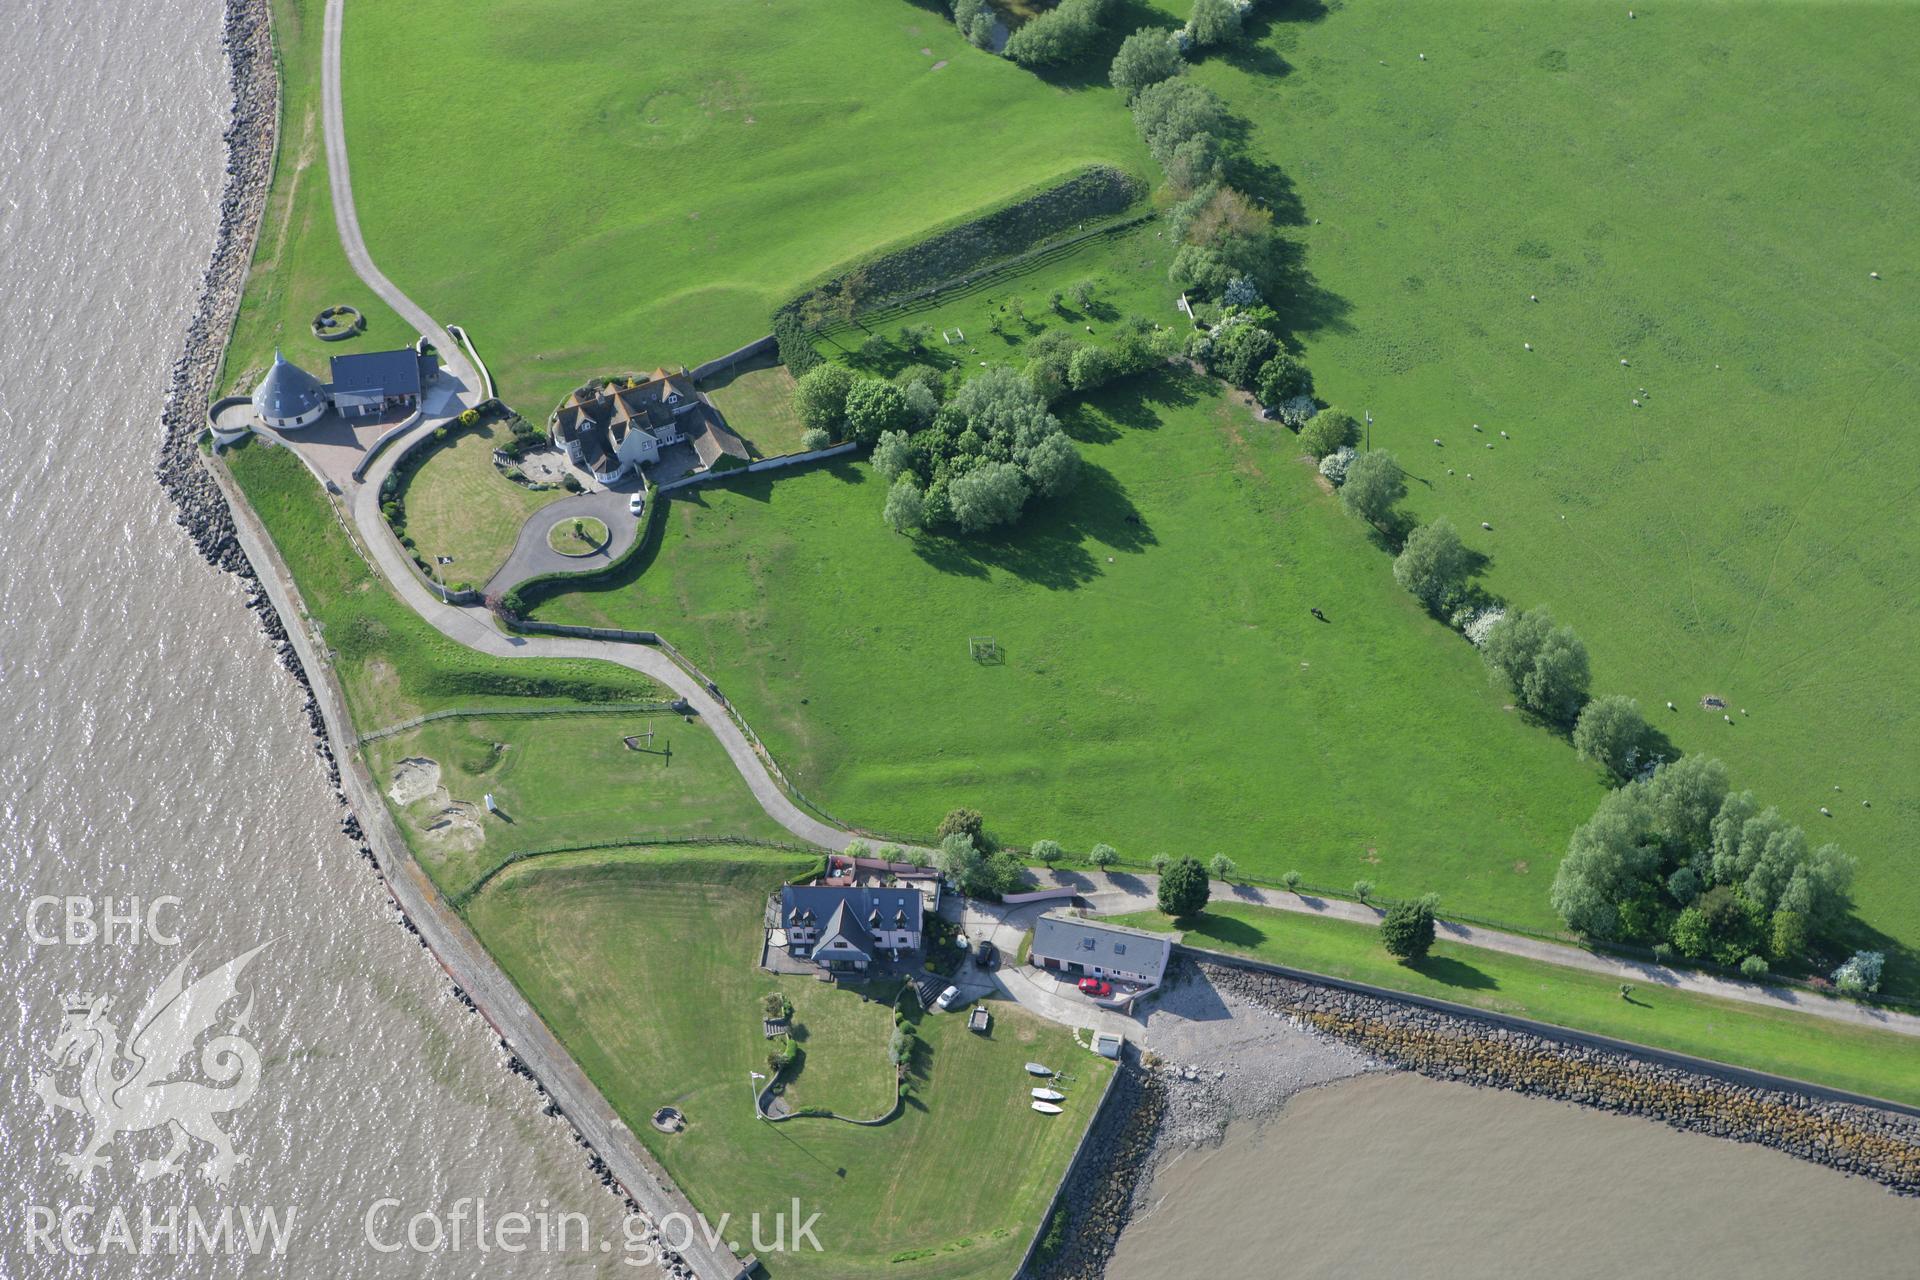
{"x":289,"y":396}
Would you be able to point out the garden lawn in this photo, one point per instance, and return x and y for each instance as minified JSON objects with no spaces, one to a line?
{"x":644,"y":964}
{"x":298,"y":264}
{"x":1882,"y":1064}
{"x":1164,"y":688}
{"x":1703,"y":192}
{"x":390,"y":662}
{"x":757,"y":402}
{"x":612,"y":189}
{"x":459,"y":505}
{"x":566,"y":780}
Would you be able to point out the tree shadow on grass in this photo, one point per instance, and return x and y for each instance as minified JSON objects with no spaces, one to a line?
{"x":1230,"y":931}
{"x":1048,"y":546}
{"x":1454,"y":973}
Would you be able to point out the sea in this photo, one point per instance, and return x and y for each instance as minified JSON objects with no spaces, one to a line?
{"x":161,"y":804}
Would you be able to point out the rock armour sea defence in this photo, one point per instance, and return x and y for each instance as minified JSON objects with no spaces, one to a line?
{"x":1857,"y":1139}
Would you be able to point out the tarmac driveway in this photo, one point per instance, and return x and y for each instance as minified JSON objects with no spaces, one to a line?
{"x":532,"y":556}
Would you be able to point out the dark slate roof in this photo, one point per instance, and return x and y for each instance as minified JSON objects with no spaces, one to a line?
{"x":385,"y":373}
{"x":844,"y":926}
{"x":898,"y":908}
{"x":1114,"y":946}
{"x":288,"y":391}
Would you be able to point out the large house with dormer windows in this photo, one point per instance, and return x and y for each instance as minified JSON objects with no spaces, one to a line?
{"x":611,"y":428}
{"x":847,"y":928}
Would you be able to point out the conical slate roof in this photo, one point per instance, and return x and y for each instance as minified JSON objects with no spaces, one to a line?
{"x":288,"y":391}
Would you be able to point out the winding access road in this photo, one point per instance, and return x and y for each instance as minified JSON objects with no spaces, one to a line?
{"x":475,"y":628}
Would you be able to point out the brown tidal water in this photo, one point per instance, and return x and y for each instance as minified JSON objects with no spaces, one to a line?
{"x":1398,"y":1175}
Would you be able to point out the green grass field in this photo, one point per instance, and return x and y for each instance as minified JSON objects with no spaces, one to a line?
{"x":565,"y":780}
{"x":459,"y":505}
{"x":1747,"y":532}
{"x":391,"y":664}
{"x":1878,"y":1063}
{"x":644,"y":964}
{"x":606,"y":189}
{"x":298,"y":265}
{"x":1164,"y":688}
{"x":757,"y":402}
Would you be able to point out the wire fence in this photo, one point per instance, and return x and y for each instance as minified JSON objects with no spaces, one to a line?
{"x":475,"y":713}
{"x":463,"y":896}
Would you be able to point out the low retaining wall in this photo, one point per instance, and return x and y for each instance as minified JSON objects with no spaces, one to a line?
{"x":459,"y":334}
{"x":219,"y":407}
{"x":586,"y":633}
{"x":758,"y":347}
{"x":387,"y":437}
{"x":1039,"y":895}
{"x":765,"y":464}
{"x":1066,"y":1179}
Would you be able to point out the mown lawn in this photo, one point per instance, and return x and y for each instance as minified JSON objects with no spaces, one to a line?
{"x":391,"y":663}
{"x":610,"y":188}
{"x":459,"y":505}
{"x":758,"y":404}
{"x":566,"y":780}
{"x":1701,"y":191}
{"x":298,"y":265}
{"x":1882,"y":1064}
{"x":644,"y":964}
{"x":1165,"y":687}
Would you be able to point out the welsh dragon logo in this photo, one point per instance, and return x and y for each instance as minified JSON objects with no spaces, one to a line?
{"x":130,"y":1087}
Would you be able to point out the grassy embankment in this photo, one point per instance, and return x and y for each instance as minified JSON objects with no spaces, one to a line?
{"x":1882,"y":1064}
{"x":298,"y":265}
{"x":630,"y":199}
{"x":392,"y":664}
{"x":564,"y":780}
{"x":1747,"y":531}
{"x":1164,"y":687}
{"x":643,"y":964}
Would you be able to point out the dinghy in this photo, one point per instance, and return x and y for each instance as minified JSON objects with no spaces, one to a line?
{"x":1035,"y":1069}
{"x":1046,"y":1108}
{"x":1048,"y":1095}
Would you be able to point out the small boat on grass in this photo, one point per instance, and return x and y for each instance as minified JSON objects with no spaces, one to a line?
{"x":1035,"y":1069}
{"x":1048,"y":1095}
{"x":1046,"y":1108}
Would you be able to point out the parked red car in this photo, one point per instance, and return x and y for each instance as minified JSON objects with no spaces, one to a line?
{"x":1095,"y":987}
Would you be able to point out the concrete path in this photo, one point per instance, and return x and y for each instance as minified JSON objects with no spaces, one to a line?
{"x":532,"y":554}
{"x":340,"y":176}
{"x":1117,"y":893}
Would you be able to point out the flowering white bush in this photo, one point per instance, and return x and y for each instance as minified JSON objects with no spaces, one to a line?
{"x":1334,"y":465}
{"x":1860,"y":973}
{"x":1475,"y":628}
{"x":1241,"y":292}
{"x":1297,"y":412}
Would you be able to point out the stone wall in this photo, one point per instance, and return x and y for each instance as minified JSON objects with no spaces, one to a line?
{"x":1858,"y":1139}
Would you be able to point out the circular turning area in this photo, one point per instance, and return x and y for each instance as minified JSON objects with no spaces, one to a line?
{"x":337,"y":322}
{"x":669,"y":1120}
{"x":578,"y":536}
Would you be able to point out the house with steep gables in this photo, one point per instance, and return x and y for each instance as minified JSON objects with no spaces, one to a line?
{"x":612,"y":428}
{"x":848,"y":928}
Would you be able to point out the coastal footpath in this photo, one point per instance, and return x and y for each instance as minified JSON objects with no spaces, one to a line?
{"x":206,"y":512}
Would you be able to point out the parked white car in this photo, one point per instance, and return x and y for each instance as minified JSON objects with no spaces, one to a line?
{"x":637,"y":503}
{"x":948,"y":998}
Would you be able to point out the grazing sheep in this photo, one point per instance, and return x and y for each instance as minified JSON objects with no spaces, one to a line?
{"x":1485,"y":525}
{"x":1469,"y":475}
{"x":1527,"y":345}
{"x":1489,"y":444}
{"x":1873,"y":275}
{"x":1825,"y":812}
{"x":1866,"y":804}
{"x":1671,"y":707}
{"x":1836,"y":786}
{"x":1533,"y":297}
{"x":1504,"y":436}
{"x":1423,"y":57}
{"x":1636,"y":404}
{"x":1436,"y":439}
{"x":1476,"y":426}
{"x":1728,"y":719}
{"x":1449,"y":470}
{"x":1623,"y":364}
